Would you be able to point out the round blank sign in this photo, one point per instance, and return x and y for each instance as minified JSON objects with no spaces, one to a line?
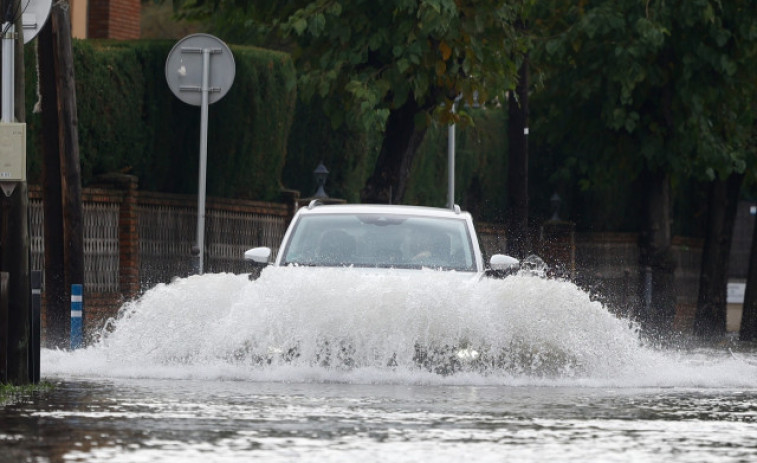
{"x":184,"y":67}
{"x":34,"y":17}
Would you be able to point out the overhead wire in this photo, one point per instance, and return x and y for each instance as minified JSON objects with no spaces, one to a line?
{"x":13,"y":12}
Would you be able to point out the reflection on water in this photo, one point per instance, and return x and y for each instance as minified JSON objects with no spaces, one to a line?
{"x":186,"y":420}
{"x":193,"y":372}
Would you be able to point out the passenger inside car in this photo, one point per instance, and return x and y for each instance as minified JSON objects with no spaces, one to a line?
{"x":432,"y":247}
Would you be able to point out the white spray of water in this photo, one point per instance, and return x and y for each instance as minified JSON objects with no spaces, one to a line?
{"x":336,"y":325}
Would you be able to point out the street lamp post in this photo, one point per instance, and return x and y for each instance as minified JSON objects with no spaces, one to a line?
{"x":320,"y":174}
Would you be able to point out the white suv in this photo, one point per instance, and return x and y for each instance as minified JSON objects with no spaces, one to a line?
{"x":382,"y":236}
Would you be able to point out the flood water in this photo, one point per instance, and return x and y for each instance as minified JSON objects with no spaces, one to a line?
{"x":325,"y":366}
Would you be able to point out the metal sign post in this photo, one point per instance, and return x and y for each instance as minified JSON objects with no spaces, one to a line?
{"x":9,"y":33}
{"x":451,"y":164}
{"x":33,"y":17}
{"x":200,"y":70}
{"x":451,"y":147}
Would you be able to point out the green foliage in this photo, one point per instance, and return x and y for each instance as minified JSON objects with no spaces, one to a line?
{"x":110,"y":86}
{"x":480,"y":167}
{"x":130,"y":121}
{"x":349,"y":155}
{"x":370,"y":57}
{"x":253,"y":123}
{"x":12,"y":394}
{"x":627,"y":84}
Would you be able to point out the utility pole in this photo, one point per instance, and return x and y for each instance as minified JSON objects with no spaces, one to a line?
{"x":56,"y":306}
{"x":64,"y":239}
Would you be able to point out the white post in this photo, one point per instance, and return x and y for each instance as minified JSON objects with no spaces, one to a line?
{"x":451,"y":166}
{"x":203,"y":156}
{"x":451,"y":162}
{"x":8,"y":71}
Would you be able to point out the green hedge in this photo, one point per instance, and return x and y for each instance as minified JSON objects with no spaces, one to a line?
{"x":130,"y":121}
{"x":348,"y":155}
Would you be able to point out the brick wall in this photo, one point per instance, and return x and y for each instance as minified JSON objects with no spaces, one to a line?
{"x":114,"y":19}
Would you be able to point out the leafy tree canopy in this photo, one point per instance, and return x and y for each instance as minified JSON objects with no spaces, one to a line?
{"x":365,"y":58}
{"x":666,"y":84}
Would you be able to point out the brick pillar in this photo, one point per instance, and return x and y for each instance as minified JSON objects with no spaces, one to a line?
{"x":291,"y":198}
{"x":558,"y":246}
{"x":114,"y":19}
{"x":128,"y":239}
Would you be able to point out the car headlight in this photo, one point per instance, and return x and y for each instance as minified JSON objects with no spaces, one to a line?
{"x":273,"y":350}
{"x":467,"y":354}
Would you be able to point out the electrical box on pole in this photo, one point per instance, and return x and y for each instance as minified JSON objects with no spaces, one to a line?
{"x":12,"y":155}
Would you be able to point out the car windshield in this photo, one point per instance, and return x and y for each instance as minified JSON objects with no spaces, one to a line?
{"x":380,"y":240}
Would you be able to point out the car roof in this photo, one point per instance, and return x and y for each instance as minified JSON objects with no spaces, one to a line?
{"x":423,"y":211}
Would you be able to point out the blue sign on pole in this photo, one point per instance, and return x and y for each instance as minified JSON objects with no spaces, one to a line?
{"x":77,"y":313}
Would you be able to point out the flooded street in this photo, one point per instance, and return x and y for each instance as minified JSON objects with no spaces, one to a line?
{"x":191,"y":420}
{"x":217,"y":368}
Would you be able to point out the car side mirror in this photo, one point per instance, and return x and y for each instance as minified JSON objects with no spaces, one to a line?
{"x":502,"y":263}
{"x":261,"y":255}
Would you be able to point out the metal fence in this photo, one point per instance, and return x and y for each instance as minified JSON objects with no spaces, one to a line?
{"x":37,"y":235}
{"x":167,"y":233}
{"x":231,"y":233}
{"x":101,"y":252}
{"x":166,"y":227}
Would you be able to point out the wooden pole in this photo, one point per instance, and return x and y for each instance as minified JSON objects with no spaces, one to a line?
{"x":68,"y":141}
{"x":64,"y":237}
{"x":57,"y":314}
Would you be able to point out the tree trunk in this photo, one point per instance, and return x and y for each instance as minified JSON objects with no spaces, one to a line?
{"x":388,"y":182}
{"x":748,"y":329}
{"x":723,"y":197}
{"x":658,"y":305}
{"x":518,"y":237}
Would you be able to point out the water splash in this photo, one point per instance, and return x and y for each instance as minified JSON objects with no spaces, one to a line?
{"x":407,"y":327}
